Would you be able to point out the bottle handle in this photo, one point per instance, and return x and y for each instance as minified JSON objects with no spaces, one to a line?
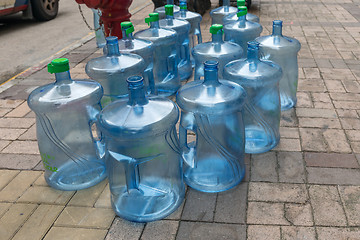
{"x":185,"y":49}
{"x":98,"y":140}
{"x":199,"y":37}
{"x":188,"y":152}
{"x":171,"y":64}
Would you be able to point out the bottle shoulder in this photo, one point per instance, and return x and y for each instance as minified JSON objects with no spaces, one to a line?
{"x":279,"y":42}
{"x":249,"y":26}
{"x":221,"y":10}
{"x":178,"y":25}
{"x":135,"y":45}
{"x":214,"y":49}
{"x":190,"y":16}
{"x":157,"y":35}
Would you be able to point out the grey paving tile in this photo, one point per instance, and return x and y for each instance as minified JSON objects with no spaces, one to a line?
{"x":199,"y":206}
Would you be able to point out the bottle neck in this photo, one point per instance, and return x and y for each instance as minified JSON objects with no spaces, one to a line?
{"x":154,"y":24}
{"x":217,"y":38}
{"x":137,"y":96}
{"x":183,"y":13}
{"x":277,"y":29}
{"x":112,"y":49}
{"x":242,"y":21}
{"x":127,"y":36}
{"x":63,"y":77}
{"x":253,"y":53}
{"x":226,"y":5}
{"x":211,"y":77}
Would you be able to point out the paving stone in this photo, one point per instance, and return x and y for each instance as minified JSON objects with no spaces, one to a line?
{"x":19,"y":161}
{"x":341,"y":176}
{"x":288,"y":119}
{"x":16,"y":122}
{"x":315,"y":113}
{"x":22,"y":147}
{"x":10,"y":134}
{"x":288,"y":132}
{"x":292,"y":233}
{"x":277,"y":192}
{"x":8,"y":103}
{"x":4,"y":111}
{"x":4,"y":144}
{"x":257,"y":232}
{"x":288,"y":145}
{"x":345,"y":96}
{"x":210,"y":231}
{"x":161,"y":230}
{"x":124,"y":230}
{"x":88,"y":197}
{"x":350,"y":196}
{"x":40,"y":181}
{"x":14,"y":218}
{"x":303,"y":99}
{"x":266,"y":213}
{"x":231,"y":205}
{"x":342,"y":113}
{"x":104,"y":199}
{"x":335,"y":86}
{"x":39,"y":222}
{"x":319,"y":123}
{"x":199,"y":206}
{"x":87,"y":217}
{"x":291,"y":167}
{"x":177,"y":214}
{"x":299,"y":214}
{"x":30,"y":134}
{"x":311,"y":72}
{"x":312,"y":85}
{"x":336,"y":160}
{"x":329,"y":233}
{"x":264,"y":167}
{"x":3,"y":208}
{"x":346,"y":105}
{"x":60,"y":233}
{"x":327,"y":206}
{"x":353,"y":135}
{"x":340,"y":74}
{"x":19,"y":111}
{"x":350,"y":123}
{"x":336,"y":141}
{"x":45,"y":194}
{"x":6,"y":176}
{"x":355,"y":146}
{"x":312,"y":140}
{"x":18,"y":185}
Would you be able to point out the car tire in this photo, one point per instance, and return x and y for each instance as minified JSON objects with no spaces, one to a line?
{"x":44,"y":10}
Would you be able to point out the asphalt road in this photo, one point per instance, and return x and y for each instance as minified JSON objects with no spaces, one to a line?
{"x":24,"y":43}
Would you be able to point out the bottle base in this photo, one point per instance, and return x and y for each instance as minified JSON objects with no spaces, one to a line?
{"x":257,"y":141}
{"x":286,"y":105}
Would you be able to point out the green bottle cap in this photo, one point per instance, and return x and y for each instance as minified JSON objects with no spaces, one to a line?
{"x":169,"y":10}
{"x":183,"y":6}
{"x":128,"y":27}
{"x":153,"y":17}
{"x":242,"y":11}
{"x":58,"y":65}
{"x":240,"y":3}
{"x":215,"y":28}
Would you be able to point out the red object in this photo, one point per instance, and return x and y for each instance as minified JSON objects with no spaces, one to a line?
{"x":113,"y":13}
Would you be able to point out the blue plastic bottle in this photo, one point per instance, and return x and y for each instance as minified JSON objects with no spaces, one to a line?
{"x":112,"y":70}
{"x":233,"y":17}
{"x":218,"y":14}
{"x":142,"y":155}
{"x":65,"y":113}
{"x":99,"y":29}
{"x":182,"y":29}
{"x":283,"y":50}
{"x":217,"y":50}
{"x":260,"y":79}
{"x":143,"y":48}
{"x":167,"y":80}
{"x":212,"y":109}
{"x":195,"y":31}
{"x":242,"y":31}
{"x":161,"y":10}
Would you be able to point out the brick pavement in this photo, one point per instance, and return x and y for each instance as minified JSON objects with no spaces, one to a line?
{"x":306,"y":188}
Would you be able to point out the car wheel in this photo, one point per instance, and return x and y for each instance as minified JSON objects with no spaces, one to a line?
{"x":44,"y":10}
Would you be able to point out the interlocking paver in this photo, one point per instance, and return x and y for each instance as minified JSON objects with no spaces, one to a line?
{"x":4,"y":111}
{"x":319,"y":123}
{"x":327,"y":206}
{"x":288,"y":145}
{"x":299,"y":214}
{"x":350,"y":196}
{"x":162,"y":230}
{"x":312,"y":140}
{"x":8,"y":103}
{"x":89,"y":196}
{"x":19,"y":111}
{"x":4,"y":207}
{"x":292,"y":233}
{"x":6,"y":176}
{"x":336,"y":140}
{"x":263,"y":167}
{"x":329,"y":233}
{"x":30,"y":134}
{"x":39,"y":222}
{"x":22,"y":147}
{"x":210,"y":231}
{"x":333,"y":176}
{"x":104,"y":198}
{"x":266,"y":213}
{"x":3,"y":144}
{"x":256,"y":232}
{"x":10,"y":134}
{"x":19,"y":161}
{"x":45,"y":194}
{"x":291,"y":167}
{"x":16,"y":122}
{"x":61,"y":233}
{"x":124,"y":230}
{"x":339,"y":160}
{"x":288,"y":132}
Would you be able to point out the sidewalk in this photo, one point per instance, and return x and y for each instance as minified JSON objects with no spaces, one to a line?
{"x":306,"y":188}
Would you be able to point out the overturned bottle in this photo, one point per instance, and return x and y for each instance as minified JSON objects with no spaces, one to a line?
{"x":195,"y":31}
{"x":65,"y":113}
{"x":212,"y":109}
{"x":242,"y":31}
{"x":142,"y":155}
{"x":218,"y":14}
{"x":166,"y":76}
{"x":112,"y":70}
{"x":143,"y":48}
{"x":217,"y":50}
{"x":234,"y":17}
{"x":260,"y":79}
{"x":182,"y":28}
{"x":283,"y":50}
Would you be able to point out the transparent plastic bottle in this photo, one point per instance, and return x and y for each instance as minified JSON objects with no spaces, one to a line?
{"x":112,"y":70}
{"x":99,"y":29}
{"x":65,"y":113}
{"x":166,"y":76}
{"x":283,"y":50}
{"x":217,"y":50}
{"x":242,"y":31}
{"x":218,"y":14}
{"x":161,"y":10}
{"x":182,"y":29}
{"x":143,"y":155}
{"x":195,"y":31}
{"x":260,"y":78}
{"x":233,"y":17}
{"x":143,"y":48}
{"x":212,"y":109}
